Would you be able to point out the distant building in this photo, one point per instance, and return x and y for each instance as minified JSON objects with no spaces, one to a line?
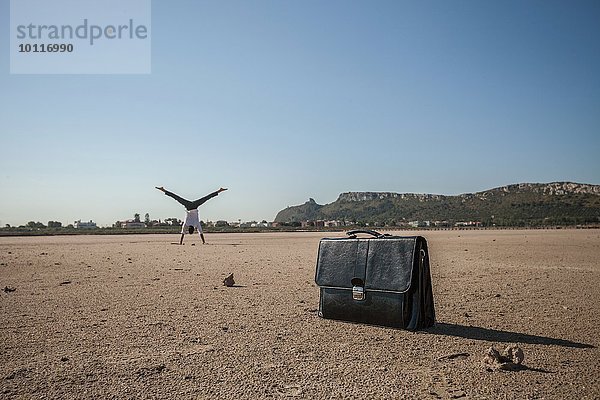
{"x":333,"y":224}
{"x":132,"y":224}
{"x":84,"y":225}
{"x":419,"y":224}
{"x":441,"y":224}
{"x":468,"y":224}
{"x":323,"y":223}
{"x":173,"y":221}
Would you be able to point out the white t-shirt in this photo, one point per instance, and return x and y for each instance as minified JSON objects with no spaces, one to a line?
{"x":191,"y":219}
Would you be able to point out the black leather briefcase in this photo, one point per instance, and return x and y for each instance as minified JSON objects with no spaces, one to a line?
{"x":384,"y":280}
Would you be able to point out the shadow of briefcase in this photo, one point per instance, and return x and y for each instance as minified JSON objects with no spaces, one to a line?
{"x":383,"y":280}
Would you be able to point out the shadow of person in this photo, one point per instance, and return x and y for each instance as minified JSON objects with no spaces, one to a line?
{"x":494,"y":335}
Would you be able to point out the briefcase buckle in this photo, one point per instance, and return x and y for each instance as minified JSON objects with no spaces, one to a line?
{"x":358,"y":293}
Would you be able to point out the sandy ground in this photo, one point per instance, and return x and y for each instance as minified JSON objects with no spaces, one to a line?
{"x":137,"y":317}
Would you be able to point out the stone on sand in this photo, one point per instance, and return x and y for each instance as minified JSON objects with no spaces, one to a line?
{"x":514,"y":353}
{"x":229,"y":282}
{"x":510,"y":359}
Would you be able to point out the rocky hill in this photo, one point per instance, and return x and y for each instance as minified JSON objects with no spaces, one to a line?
{"x":562,"y":203}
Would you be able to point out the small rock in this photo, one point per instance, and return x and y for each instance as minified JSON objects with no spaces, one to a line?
{"x":64,"y":359}
{"x":492,"y":356}
{"x":229,"y":282}
{"x":514,"y":353}
{"x":510,"y":360}
{"x":64,"y":282}
{"x":8,"y":289}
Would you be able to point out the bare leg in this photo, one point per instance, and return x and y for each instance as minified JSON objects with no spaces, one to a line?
{"x":181,"y":240}
{"x":202,"y":237}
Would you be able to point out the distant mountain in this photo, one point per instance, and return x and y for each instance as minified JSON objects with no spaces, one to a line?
{"x":307,"y":211}
{"x":513,"y":205}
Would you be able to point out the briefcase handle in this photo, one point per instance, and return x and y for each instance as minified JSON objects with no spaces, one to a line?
{"x":378,"y":235}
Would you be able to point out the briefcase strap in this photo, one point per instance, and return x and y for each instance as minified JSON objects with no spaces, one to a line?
{"x":378,"y":235}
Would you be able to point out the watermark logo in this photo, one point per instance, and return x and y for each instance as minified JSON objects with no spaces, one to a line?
{"x":80,"y":37}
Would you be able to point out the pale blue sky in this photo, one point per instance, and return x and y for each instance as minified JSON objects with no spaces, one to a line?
{"x":281,"y":101}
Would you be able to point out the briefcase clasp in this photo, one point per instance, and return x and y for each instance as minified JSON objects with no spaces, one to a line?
{"x":358,"y":293}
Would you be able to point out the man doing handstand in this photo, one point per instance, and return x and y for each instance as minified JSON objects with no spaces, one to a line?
{"x":192,"y":220}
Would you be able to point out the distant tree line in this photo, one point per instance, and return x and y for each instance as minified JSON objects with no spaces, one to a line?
{"x":150,"y":223}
